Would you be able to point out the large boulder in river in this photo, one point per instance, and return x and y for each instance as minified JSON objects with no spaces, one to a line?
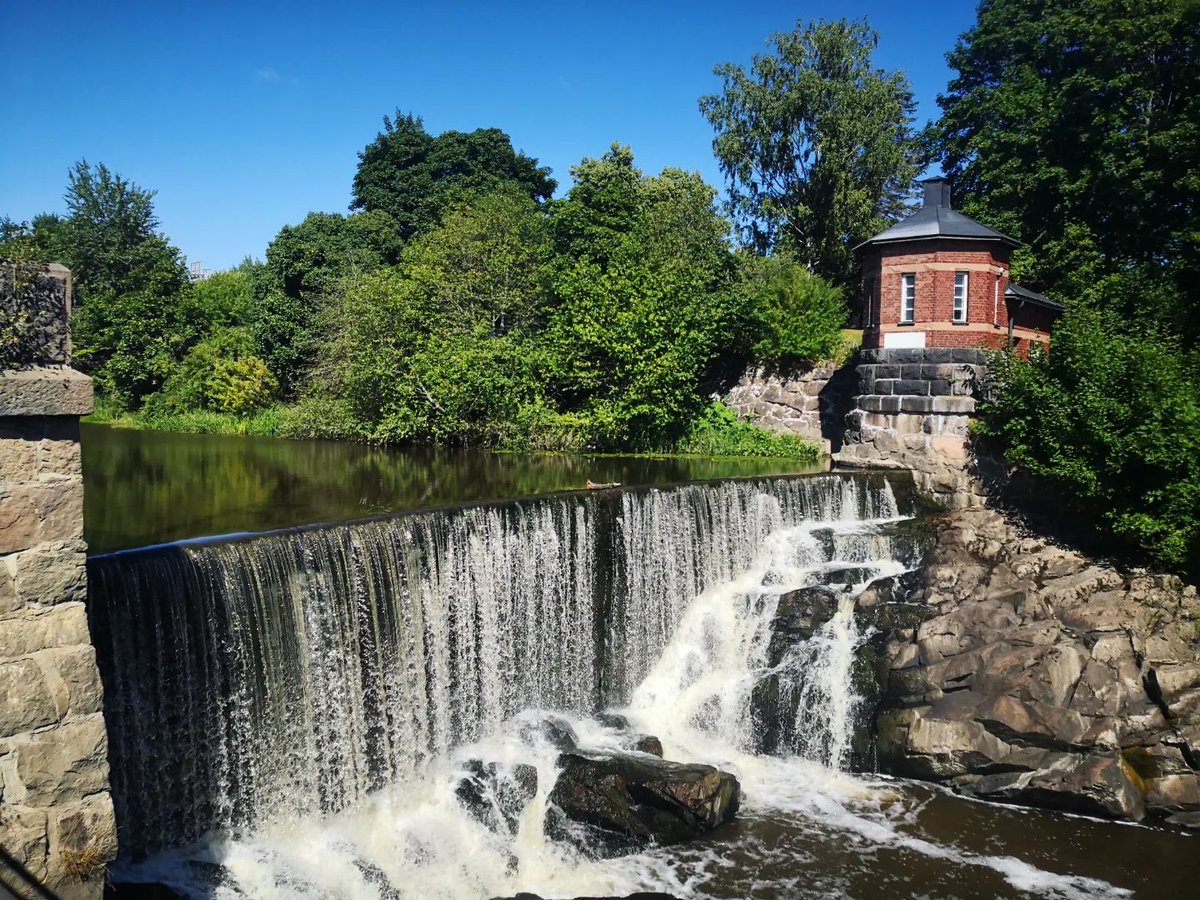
{"x":621,"y":804}
{"x":1037,"y":676}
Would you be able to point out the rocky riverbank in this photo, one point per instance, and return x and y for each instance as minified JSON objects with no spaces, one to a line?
{"x":1027,"y":673}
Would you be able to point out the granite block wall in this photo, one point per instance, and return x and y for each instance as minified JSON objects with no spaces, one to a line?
{"x":56,"y":813}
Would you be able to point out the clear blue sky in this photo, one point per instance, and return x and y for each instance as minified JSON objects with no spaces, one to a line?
{"x":245,"y":116}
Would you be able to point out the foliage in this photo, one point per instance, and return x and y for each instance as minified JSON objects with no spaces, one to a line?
{"x":305,"y":264}
{"x":128,"y":324}
{"x":817,"y":144}
{"x":1110,"y":422}
{"x":643,"y":312}
{"x":799,"y":314}
{"x":435,"y":349}
{"x":1074,"y":125}
{"x":415,"y":177}
{"x":719,"y":432}
{"x":220,"y":374}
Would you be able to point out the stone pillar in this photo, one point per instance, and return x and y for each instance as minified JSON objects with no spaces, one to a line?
{"x":56,"y":813}
{"x":913,"y":411}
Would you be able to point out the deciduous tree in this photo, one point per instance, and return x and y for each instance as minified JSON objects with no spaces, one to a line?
{"x":1074,"y":125}
{"x":817,"y":144}
{"x":415,"y":177}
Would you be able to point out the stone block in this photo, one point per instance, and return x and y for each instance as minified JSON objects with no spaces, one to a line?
{"x":911,"y":371}
{"x":914,"y":387}
{"x":45,"y":511}
{"x":885,"y":386}
{"x":51,"y":573}
{"x":72,"y":673}
{"x":45,"y":391}
{"x":26,"y":701}
{"x":887,"y":371}
{"x":970,"y":357}
{"x":83,"y":836}
{"x":59,"y":457}
{"x":24,"y":832}
{"x":9,"y":602}
{"x":940,"y":387}
{"x":954,"y":405}
{"x":916,"y":405}
{"x":58,"y":626}
{"x":18,"y":456}
{"x":64,"y":764}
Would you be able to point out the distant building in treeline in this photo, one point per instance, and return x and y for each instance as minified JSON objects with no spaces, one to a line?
{"x":941,"y":279}
{"x":197,"y":273}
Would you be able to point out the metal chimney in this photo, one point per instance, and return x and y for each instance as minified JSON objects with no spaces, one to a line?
{"x":937,"y":191}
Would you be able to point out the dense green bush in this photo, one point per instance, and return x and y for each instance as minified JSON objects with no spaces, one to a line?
{"x":798,"y":315}
{"x":1109,"y":421}
{"x":719,"y":432}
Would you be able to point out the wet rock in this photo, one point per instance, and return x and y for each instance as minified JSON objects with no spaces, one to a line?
{"x":645,"y":743}
{"x":1036,"y":676}
{"x":1091,"y":785}
{"x":620,"y":804}
{"x":613,"y":720}
{"x":551,"y":730}
{"x":497,"y":796}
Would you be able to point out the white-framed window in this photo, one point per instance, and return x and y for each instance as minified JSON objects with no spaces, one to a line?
{"x":908,"y":297}
{"x":960,"y":296}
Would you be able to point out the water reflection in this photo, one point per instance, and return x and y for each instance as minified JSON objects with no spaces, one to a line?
{"x":144,"y":487}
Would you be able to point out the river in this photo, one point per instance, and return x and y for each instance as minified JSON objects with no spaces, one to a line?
{"x":290,"y":713}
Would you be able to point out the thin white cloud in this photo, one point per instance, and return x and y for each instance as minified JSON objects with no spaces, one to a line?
{"x":272,"y":75}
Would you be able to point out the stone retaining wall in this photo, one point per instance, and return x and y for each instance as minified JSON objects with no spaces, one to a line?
{"x":56,"y":814}
{"x":912,"y":411}
{"x":809,"y":404}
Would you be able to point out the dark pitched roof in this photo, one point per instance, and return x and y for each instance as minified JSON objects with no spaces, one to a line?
{"x":1017,"y":292}
{"x":938,"y":222}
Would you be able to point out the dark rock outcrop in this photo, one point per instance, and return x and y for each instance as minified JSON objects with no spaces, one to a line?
{"x":620,"y":804}
{"x":552,"y":730}
{"x":1035,"y":676}
{"x":496,"y":796}
{"x":798,"y":615}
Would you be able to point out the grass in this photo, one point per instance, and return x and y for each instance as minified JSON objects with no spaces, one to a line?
{"x":720,"y":433}
{"x":716,"y":434}
{"x":274,"y":421}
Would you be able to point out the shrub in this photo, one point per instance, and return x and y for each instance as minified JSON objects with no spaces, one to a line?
{"x":1110,"y":422}
{"x":799,"y":315}
{"x":719,"y":432}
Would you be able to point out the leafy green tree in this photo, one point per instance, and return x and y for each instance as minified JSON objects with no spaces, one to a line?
{"x":798,"y":315}
{"x":305,"y":264}
{"x":644,"y":309}
{"x":129,"y":323}
{"x":221,"y":373}
{"x":1108,"y":423}
{"x":601,"y":207}
{"x":484,"y":268}
{"x":437,"y":348}
{"x":817,"y":144}
{"x":1074,"y":125}
{"x":415,"y":177}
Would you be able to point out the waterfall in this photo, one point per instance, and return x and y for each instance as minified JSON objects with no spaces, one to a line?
{"x":285,"y":677}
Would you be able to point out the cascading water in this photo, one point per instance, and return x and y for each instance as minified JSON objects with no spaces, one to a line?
{"x":297,"y":707}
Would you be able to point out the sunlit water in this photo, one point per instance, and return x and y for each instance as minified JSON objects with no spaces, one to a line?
{"x":291,"y":714}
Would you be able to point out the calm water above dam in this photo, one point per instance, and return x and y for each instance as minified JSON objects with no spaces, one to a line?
{"x":146,"y":487}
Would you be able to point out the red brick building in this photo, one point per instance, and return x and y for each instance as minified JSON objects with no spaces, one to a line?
{"x":940,"y":279}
